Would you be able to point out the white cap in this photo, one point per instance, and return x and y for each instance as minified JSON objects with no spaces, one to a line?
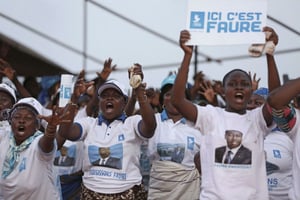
{"x":30,"y":102}
{"x":114,"y":84}
{"x":6,"y":88}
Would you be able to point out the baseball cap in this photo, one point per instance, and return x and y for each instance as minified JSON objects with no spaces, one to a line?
{"x":114,"y":84}
{"x":263,"y":92}
{"x":169,"y":80}
{"x":31,"y":103}
{"x":9,"y":90}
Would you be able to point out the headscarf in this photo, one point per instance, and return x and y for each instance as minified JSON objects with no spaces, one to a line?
{"x":13,"y":153}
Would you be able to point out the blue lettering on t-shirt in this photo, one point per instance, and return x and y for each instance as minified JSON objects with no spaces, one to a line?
{"x":276,"y":153}
{"x":120,"y":176}
{"x":272,"y":182}
{"x":190,"y":143}
{"x":22,"y":165}
{"x":100,"y":172}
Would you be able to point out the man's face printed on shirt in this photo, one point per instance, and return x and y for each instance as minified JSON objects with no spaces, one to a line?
{"x":233,"y":138}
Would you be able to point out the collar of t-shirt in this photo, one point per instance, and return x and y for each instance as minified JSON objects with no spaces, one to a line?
{"x":102,"y":119}
{"x":164,"y":116}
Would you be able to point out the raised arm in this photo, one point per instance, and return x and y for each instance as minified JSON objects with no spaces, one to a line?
{"x":10,"y":73}
{"x":280,"y":97}
{"x":273,"y":75}
{"x":102,"y":76}
{"x":68,"y":129}
{"x":58,"y":116}
{"x":148,"y":123}
{"x":184,"y":106}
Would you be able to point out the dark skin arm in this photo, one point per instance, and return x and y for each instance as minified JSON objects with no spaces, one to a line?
{"x":68,"y":129}
{"x":130,"y":106}
{"x":71,"y":131}
{"x":58,"y":116}
{"x":148,"y":122}
{"x":280,"y":97}
{"x":184,"y":106}
{"x":273,"y":75}
{"x":10,"y":73}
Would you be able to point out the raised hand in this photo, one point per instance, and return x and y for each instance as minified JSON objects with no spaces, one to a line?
{"x":135,"y":75}
{"x":255,"y":83}
{"x":271,"y":35}
{"x":208,"y":91}
{"x":184,"y":37}
{"x":60,"y":115}
{"x":107,"y":69}
{"x":7,"y":70}
{"x":80,"y":87}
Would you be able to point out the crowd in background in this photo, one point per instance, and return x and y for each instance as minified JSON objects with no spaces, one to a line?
{"x":209,"y":139}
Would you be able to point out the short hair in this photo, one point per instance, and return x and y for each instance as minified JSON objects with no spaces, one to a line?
{"x":230,"y":131}
{"x":235,"y":70}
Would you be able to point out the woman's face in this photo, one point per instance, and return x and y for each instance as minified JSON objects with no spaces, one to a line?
{"x":238,"y":91}
{"x":24,"y":124}
{"x":112,"y":104}
{"x":168,"y":106}
{"x":255,"y":101}
{"x":5,"y":101}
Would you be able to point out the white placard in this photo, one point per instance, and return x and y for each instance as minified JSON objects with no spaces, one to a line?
{"x":66,"y":88}
{"x":226,"y":22}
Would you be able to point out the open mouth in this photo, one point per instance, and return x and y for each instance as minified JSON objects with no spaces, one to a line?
{"x":109,"y":106}
{"x":239,"y":96}
{"x":21,"y":130}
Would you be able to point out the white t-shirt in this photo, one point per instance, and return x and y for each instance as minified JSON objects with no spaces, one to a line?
{"x":232,"y":181}
{"x":294,"y":193}
{"x":177,"y":142}
{"x":124,"y":141}
{"x":33,"y":177}
{"x":279,"y":151}
{"x":4,"y":128}
{"x":73,"y":160}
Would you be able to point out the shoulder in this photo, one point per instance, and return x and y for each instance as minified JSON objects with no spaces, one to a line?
{"x":222,"y":148}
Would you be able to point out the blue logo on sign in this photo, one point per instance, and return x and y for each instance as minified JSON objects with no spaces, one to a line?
{"x":197,"y":20}
{"x":67,"y":93}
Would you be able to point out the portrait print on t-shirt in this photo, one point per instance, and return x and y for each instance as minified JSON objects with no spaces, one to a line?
{"x":110,"y":157}
{"x":234,"y":152}
{"x":171,"y":152}
{"x":65,"y":156}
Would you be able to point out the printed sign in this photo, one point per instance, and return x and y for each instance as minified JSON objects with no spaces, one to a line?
{"x":226,"y":22}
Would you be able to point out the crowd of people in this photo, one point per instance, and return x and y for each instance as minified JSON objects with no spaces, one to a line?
{"x":209,"y":139}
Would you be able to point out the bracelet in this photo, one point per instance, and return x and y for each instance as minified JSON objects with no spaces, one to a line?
{"x":50,"y":131}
